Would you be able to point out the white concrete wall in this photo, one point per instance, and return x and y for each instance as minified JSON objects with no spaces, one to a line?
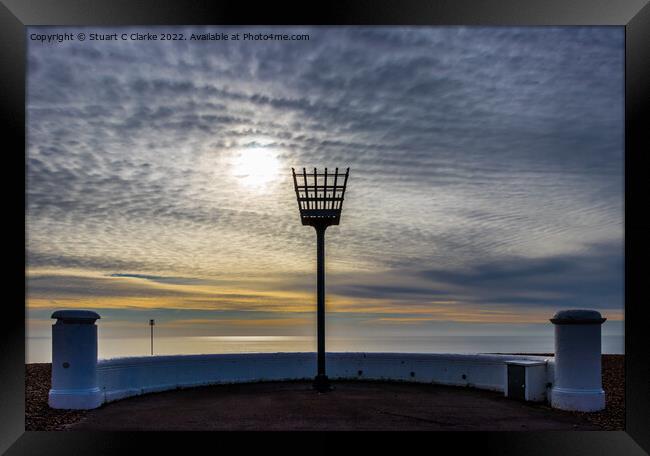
{"x":123,"y":377}
{"x":571,"y":380}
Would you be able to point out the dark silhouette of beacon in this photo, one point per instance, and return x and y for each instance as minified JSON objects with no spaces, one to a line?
{"x":320,"y":202}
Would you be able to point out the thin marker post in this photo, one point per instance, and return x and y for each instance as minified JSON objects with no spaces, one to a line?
{"x":152,"y":322}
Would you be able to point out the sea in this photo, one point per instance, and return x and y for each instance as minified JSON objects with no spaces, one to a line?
{"x":39,"y":349}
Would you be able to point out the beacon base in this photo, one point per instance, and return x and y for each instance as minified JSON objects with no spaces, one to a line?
{"x":322,"y":384}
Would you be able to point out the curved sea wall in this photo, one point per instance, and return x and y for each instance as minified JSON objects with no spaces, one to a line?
{"x":571,"y":380}
{"x":123,"y":377}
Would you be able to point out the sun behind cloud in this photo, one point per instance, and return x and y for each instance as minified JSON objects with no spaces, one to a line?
{"x":256,"y":168}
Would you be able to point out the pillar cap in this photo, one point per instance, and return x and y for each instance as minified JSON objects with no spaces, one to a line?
{"x":577,"y":317}
{"x":76,"y":316}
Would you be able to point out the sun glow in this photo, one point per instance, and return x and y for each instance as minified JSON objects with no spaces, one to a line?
{"x":256,"y":168}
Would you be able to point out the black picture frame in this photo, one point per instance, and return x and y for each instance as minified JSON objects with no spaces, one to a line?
{"x":634,"y":15}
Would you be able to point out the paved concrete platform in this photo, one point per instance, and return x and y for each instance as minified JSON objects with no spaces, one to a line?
{"x":351,"y":406}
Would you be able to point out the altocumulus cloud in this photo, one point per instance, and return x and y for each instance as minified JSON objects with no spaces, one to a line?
{"x":487,"y":163}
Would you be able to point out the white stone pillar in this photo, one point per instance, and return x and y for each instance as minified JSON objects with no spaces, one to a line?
{"x":578,"y":381}
{"x":74,"y":361}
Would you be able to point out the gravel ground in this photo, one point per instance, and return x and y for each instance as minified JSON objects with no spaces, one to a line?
{"x":40,"y":417}
{"x":613,"y":417}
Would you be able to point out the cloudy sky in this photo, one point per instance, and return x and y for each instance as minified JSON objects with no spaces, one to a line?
{"x":485,"y":191}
